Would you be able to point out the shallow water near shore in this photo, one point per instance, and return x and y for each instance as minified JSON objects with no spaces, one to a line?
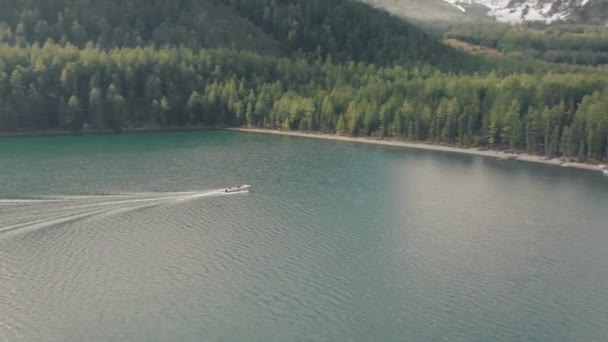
{"x":129,"y":237}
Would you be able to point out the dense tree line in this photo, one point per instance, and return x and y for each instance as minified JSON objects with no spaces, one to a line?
{"x":346,"y":30}
{"x":129,"y":23}
{"x":558,"y":43}
{"x":55,"y":87}
{"x":343,"y":29}
{"x":335,"y":66}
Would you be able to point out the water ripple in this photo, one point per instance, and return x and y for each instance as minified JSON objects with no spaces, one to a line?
{"x":335,"y":242}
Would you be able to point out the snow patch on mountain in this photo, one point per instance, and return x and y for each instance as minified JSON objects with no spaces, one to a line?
{"x":456,"y":3}
{"x":525,"y":10}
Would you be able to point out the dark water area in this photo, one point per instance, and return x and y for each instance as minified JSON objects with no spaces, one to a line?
{"x":130,"y":238}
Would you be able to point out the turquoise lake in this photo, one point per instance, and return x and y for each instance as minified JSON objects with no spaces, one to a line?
{"x":130,"y":238}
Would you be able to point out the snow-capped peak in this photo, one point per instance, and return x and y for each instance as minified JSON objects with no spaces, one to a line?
{"x":525,"y":10}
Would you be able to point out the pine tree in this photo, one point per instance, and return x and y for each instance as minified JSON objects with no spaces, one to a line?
{"x":116,"y":105}
{"x":327,"y":114}
{"x":74,"y":115}
{"x":195,"y":108}
{"x":512,"y":126}
{"x":62,"y":114}
{"x":352,"y":118}
{"x":96,"y":108}
{"x":396,"y":126}
{"x":341,"y":128}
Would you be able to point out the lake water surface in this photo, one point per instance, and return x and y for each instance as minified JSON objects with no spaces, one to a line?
{"x":127,"y":238}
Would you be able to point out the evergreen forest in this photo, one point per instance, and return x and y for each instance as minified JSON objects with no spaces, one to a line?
{"x":332,"y":66}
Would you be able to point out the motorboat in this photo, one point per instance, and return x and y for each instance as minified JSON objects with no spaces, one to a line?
{"x":239,"y":188}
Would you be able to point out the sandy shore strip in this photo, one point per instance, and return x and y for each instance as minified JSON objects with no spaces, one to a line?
{"x":429,"y":147}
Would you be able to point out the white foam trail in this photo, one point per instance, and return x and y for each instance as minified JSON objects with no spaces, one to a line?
{"x":61,"y":199}
{"x":88,"y":197}
{"x":110,"y":209}
{"x":27,"y":201}
{"x":155,"y":194}
{"x":123,"y":200}
{"x":199,"y":195}
{"x":126,"y":195}
{"x":44,"y":223}
{"x":77,"y":208}
{"x":49,"y":222}
{"x":99,"y":206}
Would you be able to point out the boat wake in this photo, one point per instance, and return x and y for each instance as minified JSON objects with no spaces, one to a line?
{"x":39,"y":213}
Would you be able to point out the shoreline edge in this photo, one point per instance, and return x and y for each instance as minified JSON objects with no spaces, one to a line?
{"x":428,"y":147}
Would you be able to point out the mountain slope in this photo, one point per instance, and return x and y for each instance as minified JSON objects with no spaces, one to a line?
{"x":120,"y":23}
{"x":346,"y":30}
{"x":438,"y":12}
{"x":540,"y":10}
{"x":433,"y":14}
{"x":352,"y":70}
{"x":422,"y":10}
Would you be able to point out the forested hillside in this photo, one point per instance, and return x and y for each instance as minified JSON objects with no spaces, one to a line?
{"x":556,"y":43}
{"x":340,"y":67}
{"x":66,"y":88}
{"x":345,"y":29}
{"x":117,"y":23}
